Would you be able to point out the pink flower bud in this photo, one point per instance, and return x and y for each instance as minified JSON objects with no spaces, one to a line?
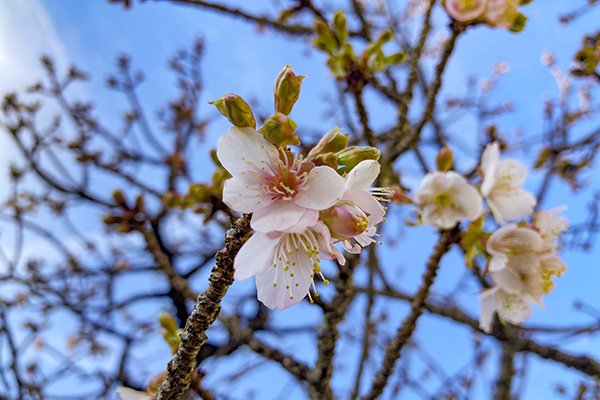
{"x":345,"y":220}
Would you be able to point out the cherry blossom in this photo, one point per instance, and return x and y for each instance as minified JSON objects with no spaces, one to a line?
{"x":510,"y":307}
{"x":501,"y":186}
{"x":283,"y":192}
{"x":501,"y":13}
{"x":445,"y":198}
{"x":521,"y":266}
{"x":465,"y":10}
{"x":551,"y":225}
{"x":354,"y":218}
{"x":285,"y":263}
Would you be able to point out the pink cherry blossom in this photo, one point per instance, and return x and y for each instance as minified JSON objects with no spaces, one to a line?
{"x":285,"y":264}
{"x":364,"y":201}
{"x":501,"y":13}
{"x":465,"y":10}
{"x":283,"y":192}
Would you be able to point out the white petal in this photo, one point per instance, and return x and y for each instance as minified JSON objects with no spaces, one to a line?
{"x":323,"y":188}
{"x":514,"y":239}
{"x":241,"y":146}
{"x":256,"y":255}
{"x":508,"y":280}
{"x":279,"y":289}
{"x":513,"y":308}
{"x":468,"y":200}
{"x":511,"y":172}
{"x":441,"y":217}
{"x":244,"y":196}
{"x":489,"y":160}
{"x":514,"y":205}
{"x":130,"y":394}
{"x":283,"y":216}
{"x":498,"y":262}
{"x":489,"y":306}
{"x":551,"y":224}
{"x":363,"y":175}
{"x":366,"y":202}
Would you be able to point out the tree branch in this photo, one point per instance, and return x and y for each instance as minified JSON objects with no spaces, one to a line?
{"x":208,"y":306}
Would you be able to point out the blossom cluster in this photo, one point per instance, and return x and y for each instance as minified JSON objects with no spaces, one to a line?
{"x":299,"y":211}
{"x":496,"y":13}
{"x":522,"y":256}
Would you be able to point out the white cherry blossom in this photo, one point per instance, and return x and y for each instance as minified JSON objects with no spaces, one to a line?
{"x":551,"y":225}
{"x":521,"y":266}
{"x":283,"y":192}
{"x":445,"y":198}
{"x":502,"y":186}
{"x":285,"y":264}
{"x":510,"y":307}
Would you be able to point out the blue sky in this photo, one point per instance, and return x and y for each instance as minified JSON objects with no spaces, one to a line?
{"x":241,"y":59}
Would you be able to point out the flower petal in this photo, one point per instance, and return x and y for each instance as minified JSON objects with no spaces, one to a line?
{"x":512,"y":307}
{"x":240,"y":147}
{"x":283,"y":216}
{"x":508,"y":280}
{"x":280,"y":289}
{"x":323,"y":188}
{"x":457,"y":9}
{"x":366,"y":202}
{"x":514,"y":205}
{"x":489,"y":160}
{"x":256,"y":255}
{"x":468,"y":200}
{"x":130,"y":394}
{"x":514,"y":239}
{"x":363,"y":175}
{"x":243,"y":196}
{"x":489,"y":306}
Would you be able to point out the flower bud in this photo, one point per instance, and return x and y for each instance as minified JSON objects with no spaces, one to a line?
{"x":280,"y":130}
{"x":351,"y":156}
{"x":332,"y":142}
{"x":328,"y":159}
{"x":345,"y":220}
{"x":287,"y":90}
{"x":236,"y":110}
{"x":444,"y":159}
{"x":519,"y":23}
{"x":167,"y":322}
{"x":200,"y":192}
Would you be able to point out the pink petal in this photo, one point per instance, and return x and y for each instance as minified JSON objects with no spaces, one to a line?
{"x":366,"y":202}
{"x":323,"y":188}
{"x":240,"y":147}
{"x":283,"y":216}
{"x":256,"y":255}
{"x":363,"y":175}
{"x":243,"y":196}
